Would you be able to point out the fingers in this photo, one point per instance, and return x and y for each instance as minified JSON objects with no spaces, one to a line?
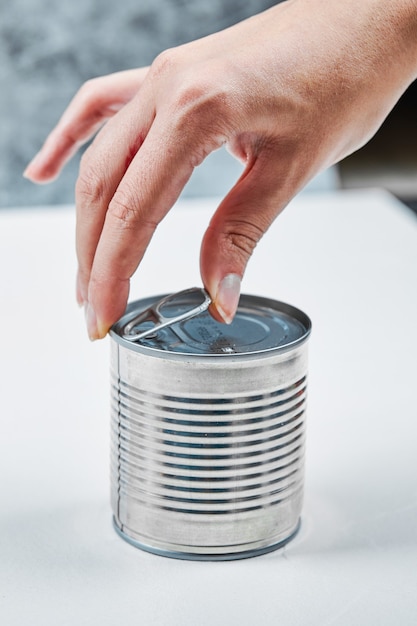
{"x":117,"y":221}
{"x":269,"y":181}
{"x":96,"y":101}
{"x":102,"y":168}
{"x":131,"y":176}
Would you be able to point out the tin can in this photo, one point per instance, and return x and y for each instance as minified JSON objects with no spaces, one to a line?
{"x":208,"y":427}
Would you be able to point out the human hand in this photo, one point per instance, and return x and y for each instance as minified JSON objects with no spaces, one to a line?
{"x":290,"y":92}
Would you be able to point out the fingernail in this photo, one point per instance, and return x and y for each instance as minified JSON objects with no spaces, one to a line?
{"x":227,"y":297}
{"x":91,"y":321}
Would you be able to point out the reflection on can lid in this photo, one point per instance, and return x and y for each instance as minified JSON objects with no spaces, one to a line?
{"x":260,"y":324}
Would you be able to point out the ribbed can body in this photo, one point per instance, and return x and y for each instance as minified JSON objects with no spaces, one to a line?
{"x":207,"y":453}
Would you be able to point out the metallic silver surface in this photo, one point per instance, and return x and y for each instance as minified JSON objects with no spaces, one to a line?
{"x":180,"y":323}
{"x":156,"y":318}
{"x":207,"y":452}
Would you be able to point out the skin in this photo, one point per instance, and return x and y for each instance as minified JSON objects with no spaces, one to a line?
{"x":290,"y":91}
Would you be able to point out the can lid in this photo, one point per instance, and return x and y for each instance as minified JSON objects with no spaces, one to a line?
{"x":181,"y":323}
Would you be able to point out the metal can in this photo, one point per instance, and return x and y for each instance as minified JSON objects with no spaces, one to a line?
{"x":208,"y":426}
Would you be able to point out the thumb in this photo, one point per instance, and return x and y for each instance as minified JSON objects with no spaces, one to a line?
{"x":239,"y":223}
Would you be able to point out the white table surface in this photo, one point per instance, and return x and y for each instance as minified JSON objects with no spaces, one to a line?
{"x":349,"y":259}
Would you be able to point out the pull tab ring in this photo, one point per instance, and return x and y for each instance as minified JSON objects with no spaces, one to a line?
{"x":155,"y":315}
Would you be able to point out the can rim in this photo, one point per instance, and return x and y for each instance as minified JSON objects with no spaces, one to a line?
{"x":116,"y":332}
{"x":207,"y":556}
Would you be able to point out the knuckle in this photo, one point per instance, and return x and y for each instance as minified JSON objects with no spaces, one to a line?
{"x":242,"y":244}
{"x":202,"y":99}
{"x":89,"y":96}
{"x":201,"y":115}
{"x":194,"y":86}
{"x":88,"y":90}
{"x":165,"y":63}
{"x":241,"y":239}
{"x":90,"y":186}
{"x":123,"y":210}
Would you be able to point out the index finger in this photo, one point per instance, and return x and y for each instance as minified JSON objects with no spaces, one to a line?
{"x":148,"y":189}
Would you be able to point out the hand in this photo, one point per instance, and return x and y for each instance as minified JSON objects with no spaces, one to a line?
{"x":290,"y":92}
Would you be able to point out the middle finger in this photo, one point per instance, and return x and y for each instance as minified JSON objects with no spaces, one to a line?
{"x":102,"y":168}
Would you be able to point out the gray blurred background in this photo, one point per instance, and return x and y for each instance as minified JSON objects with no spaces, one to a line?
{"x":48,"y":48}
